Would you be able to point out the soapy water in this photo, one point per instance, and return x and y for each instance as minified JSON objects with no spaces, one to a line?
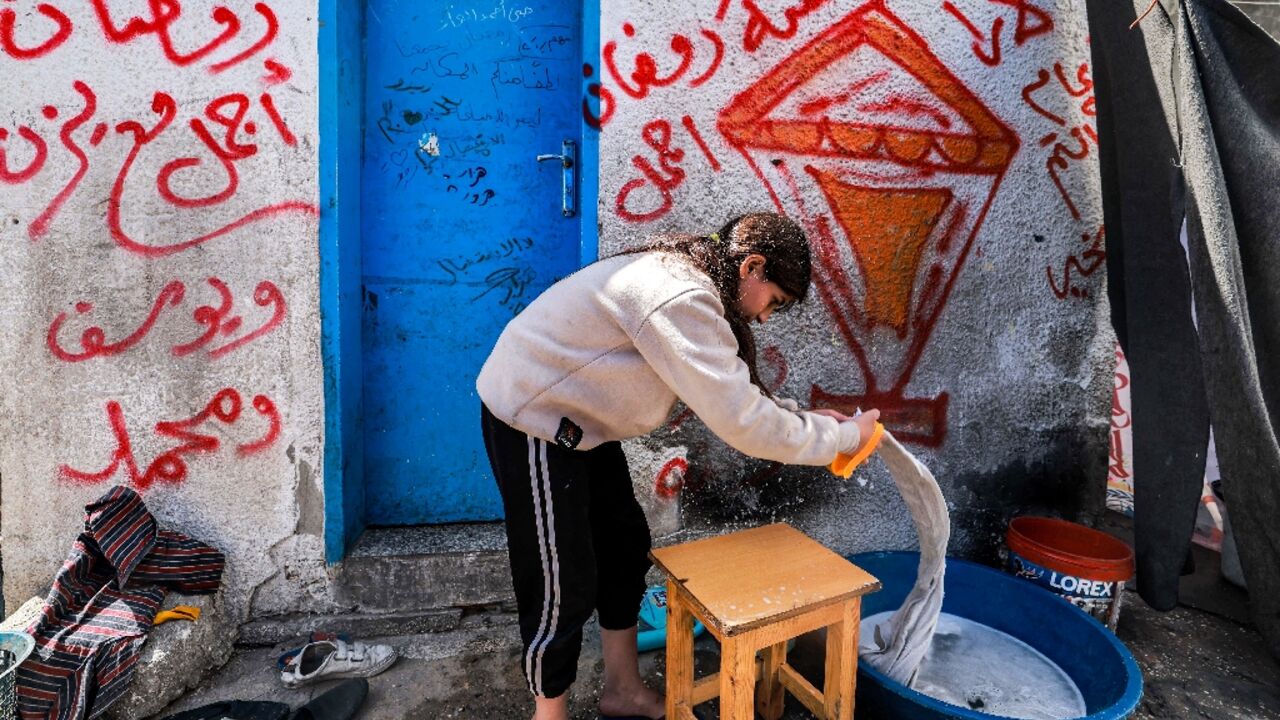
{"x":974,"y":666}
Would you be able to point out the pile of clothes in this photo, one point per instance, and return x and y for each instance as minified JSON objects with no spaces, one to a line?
{"x":103,"y":602}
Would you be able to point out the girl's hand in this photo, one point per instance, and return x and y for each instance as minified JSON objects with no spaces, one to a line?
{"x":839,"y":416}
{"x":867,"y":423}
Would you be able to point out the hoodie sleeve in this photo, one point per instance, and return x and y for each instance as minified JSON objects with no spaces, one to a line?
{"x":689,"y":344}
{"x":787,"y":404}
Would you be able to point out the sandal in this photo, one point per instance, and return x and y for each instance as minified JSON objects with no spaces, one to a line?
{"x":340,"y":703}
{"x":336,"y":658}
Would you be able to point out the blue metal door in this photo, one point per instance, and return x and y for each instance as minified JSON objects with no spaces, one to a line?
{"x":462,"y":227}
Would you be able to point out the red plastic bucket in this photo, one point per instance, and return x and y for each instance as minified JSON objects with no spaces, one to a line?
{"x":1086,"y":567}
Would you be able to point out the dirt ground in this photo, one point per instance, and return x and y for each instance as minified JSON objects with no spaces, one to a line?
{"x":1201,"y":660}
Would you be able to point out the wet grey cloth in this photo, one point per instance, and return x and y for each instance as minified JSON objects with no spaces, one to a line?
{"x":1189,"y":126}
{"x":900,"y":643}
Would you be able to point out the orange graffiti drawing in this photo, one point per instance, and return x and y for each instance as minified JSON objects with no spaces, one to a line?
{"x":892,"y":163}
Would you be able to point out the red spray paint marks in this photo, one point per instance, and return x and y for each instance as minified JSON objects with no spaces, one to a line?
{"x":269,"y":36}
{"x":217,"y":321}
{"x":221,"y":133}
{"x":199,"y":181}
{"x":1072,"y":139}
{"x":8,"y":43}
{"x":646,"y":73}
{"x":93,"y":341}
{"x":161,"y":18}
{"x":664,"y":178}
{"x":165,"y":14}
{"x":41,"y":153}
{"x":276,"y":73}
{"x":903,"y":162}
{"x":1119,"y":477}
{"x":40,"y":225}
{"x":694,"y":60}
{"x":603,"y":99}
{"x":269,"y":105}
{"x":670,"y":479}
{"x":760,"y":26}
{"x":1031,"y":22}
{"x":1079,"y":266}
{"x":1080,"y":137}
{"x":170,"y":467}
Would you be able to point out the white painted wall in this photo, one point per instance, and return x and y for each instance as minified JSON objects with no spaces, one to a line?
{"x":1024,"y":361}
{"x":62,"y":251}
{"x":1021,"y":348}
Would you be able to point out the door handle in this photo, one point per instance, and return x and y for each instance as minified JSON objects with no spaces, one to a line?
{"x":568,"y":158}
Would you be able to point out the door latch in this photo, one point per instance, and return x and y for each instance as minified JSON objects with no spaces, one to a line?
{"x":568,"y":158}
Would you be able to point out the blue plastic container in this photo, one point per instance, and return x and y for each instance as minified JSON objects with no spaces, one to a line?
{"x":1099,"y":664}
{"x":652,"y":629}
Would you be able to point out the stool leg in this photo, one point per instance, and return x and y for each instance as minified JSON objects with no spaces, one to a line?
{"x":679,"y":653}
{"x":737,"y":678}
{"x":769,"y":698}
{"x":842,"y":663}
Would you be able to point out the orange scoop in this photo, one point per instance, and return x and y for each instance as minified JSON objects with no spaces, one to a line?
{"x":843,"y":465}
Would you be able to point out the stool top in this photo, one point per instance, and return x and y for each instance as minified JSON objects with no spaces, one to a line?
{"x":754,"y":577}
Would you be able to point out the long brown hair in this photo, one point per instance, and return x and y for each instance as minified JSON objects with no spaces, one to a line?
{"x":786,"y":252}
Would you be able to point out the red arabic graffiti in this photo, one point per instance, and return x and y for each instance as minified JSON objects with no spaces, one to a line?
{"x":228,"y":148}
{"x":666,"y":176}
{"x":1032,"y":21}
{"x":1080,"y":135}
{"x":40,"y":153}
{"x":696,"y":60}
{"x":646,"y":75}
{"x":276,"y":72}
{"x":170,"y":467}
{"x":991,"y":58}
{"x":603,"y":99}
{"x":8,"y":18}
{"x":159,"y":22}
{"x":216,"y":320}
{"x":164,"y":106}
{"x":761,"y":26}
{"x":1081,"y":266}
{"x":41,"y":224}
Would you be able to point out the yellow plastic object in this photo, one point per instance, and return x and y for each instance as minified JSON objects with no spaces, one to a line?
{"x":843,"y":465}
{"x":181,"y":612}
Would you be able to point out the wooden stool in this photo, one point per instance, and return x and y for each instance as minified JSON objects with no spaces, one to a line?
{"x":755,"y":590}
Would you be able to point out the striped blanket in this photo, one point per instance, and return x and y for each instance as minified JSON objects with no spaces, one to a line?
{"x":96,"y":617}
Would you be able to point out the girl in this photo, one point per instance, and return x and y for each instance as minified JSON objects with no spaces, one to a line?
{"x":602,"y":356}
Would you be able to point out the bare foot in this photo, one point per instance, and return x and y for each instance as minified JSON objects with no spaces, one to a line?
{"x":641,"y":701}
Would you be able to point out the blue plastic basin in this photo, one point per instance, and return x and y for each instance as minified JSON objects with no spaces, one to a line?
{"x":1099,"y":664}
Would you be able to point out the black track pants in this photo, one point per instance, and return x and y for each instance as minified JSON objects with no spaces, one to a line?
{"x":578,"y":542}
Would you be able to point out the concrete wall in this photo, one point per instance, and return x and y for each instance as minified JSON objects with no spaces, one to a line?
{"x":942,"y":156}
{"x":159,"y":183}
{"x":158,"y":244}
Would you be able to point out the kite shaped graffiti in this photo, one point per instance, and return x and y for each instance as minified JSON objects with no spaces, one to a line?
{"x":892,"y":163}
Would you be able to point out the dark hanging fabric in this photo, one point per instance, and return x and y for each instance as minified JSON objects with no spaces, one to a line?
{"x":1150,"y":288}
{"x":1200,"y":79}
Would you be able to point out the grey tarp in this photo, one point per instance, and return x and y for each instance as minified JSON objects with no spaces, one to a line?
{"x":1189,"y":126}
